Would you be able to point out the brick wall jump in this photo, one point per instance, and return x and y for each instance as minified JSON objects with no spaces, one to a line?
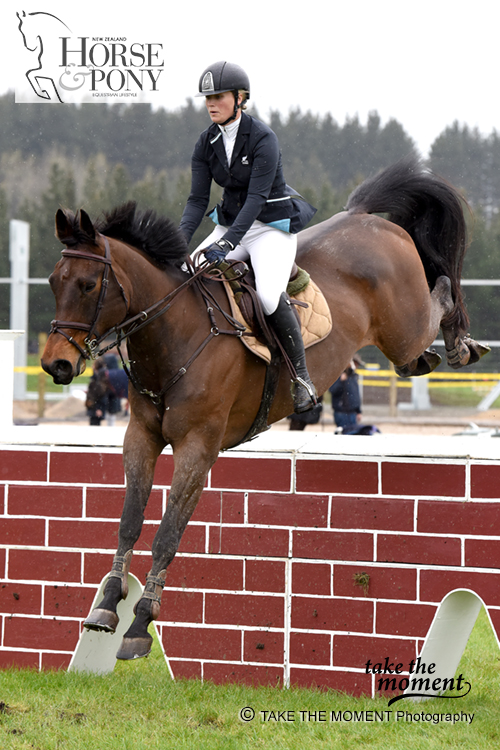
{"x":295,"y":568}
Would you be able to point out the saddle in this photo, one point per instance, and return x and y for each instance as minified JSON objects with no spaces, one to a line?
{"x":308,"y":303}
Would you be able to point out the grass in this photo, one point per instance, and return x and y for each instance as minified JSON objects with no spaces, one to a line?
{"x":138,"y":707}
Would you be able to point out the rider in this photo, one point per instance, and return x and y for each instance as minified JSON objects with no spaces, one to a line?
{"x":259,"y":214}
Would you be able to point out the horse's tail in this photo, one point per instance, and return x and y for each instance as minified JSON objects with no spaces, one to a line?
{"x":432,"y":212}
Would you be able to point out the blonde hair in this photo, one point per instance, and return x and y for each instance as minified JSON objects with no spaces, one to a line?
{"x":244,"y":96}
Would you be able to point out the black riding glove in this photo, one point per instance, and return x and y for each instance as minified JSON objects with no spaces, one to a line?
{"x":217,"y":251}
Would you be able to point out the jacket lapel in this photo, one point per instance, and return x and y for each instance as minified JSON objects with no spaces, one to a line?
{"x":241,"y":137}
{"x":217,"y":144}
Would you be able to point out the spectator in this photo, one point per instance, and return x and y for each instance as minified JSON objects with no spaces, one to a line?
{"x":118,"y":387}
{"x":97,"y":394}
{"x":346,"y":400}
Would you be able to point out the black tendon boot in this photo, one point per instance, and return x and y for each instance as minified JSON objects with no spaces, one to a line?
{"x":287,"y":329}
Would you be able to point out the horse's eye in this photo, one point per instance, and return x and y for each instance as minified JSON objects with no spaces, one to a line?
{"x":88,"y":286}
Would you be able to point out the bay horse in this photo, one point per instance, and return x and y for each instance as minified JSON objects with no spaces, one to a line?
{"x":391,"y":282}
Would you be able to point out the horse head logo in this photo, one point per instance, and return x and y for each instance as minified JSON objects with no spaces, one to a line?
{"x":40,"y":33}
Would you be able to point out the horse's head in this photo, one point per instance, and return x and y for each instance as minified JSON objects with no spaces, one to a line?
{"x":89,"y":300}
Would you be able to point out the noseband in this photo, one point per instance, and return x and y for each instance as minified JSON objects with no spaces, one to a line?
{"x":58,"y":326}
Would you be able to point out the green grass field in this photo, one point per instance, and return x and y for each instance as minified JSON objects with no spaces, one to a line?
{"x":138,"y":707}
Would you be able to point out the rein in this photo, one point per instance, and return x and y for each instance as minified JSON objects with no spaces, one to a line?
{"x":135,"y":323}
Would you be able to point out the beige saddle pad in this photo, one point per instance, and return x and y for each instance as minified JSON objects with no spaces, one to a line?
{"x":315,"y":319}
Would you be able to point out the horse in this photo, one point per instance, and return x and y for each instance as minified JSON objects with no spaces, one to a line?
{"x":390,"y":281}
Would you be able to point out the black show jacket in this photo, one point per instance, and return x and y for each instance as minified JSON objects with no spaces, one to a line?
{"x":254,"y":186}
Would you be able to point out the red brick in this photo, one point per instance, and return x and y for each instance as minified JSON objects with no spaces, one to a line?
{"x":449,"y":517}
{"x":50,"y":634}
{"x":20,"y":598}
{"x":435,"y":584}
{"x":2,"y":497}
{"x":205,"y":573}
{"x":83,"y":534}
{"x":397,"y":618}
{"x":384,"y":583}
{"x":164,"y":470}
{"x":97,"y":565}
{"x":181,"y":606}
{"x":319,"y":613}
{"x":333,"y":545}
{"x":244,"y":610}
{"x":312,"y":578}
{"x":288,"y":510}
{"x":265,"y":575}
{"x":482,"y":553}
{"x":372,"y":513}
{"x":185,"y":670}
{"x":107,"y":502}
{"x":414,"y":479}
{"x":23,"y":466}
{"x":352,"y":683}
{"x":425,"y":550}
{"x":193,"y":539}
{"x":86,"y":468}
{"x":201,"y":643}
{"x":2,"y":563}
{"x":310,"y":648}
{"x":249,"y":541}
{"x":484,"y":480}
{"x":232,"y":505}
{"x":68,"y":601}
{"x":326,"y":475}
{"x":246,"y":674}
{"x":273,"y":474}
{"x":263,"y":646}
{"x":45,"y":501}
{"x":25,"y":531}
{"x":356,"y":650}
{"x":56,"y":662}
{"x":19,"y":659}
{"x":44,"y":565}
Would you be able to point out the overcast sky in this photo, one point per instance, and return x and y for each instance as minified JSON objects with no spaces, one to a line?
{"x":425,"y":64}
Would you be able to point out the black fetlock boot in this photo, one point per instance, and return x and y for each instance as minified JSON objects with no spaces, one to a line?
{"x":287,"y":330}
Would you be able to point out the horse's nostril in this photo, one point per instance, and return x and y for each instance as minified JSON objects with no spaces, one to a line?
{"x":61,"y":371}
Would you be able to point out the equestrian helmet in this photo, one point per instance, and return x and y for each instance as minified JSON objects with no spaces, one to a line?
{"x":223,"y":76}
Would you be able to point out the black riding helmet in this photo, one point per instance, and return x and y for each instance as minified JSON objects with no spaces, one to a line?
{"x":224,"y":76}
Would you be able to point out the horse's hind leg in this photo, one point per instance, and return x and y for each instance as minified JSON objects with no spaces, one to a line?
{"x":462,"y":350}
{"x":441,"y":305}
{"x":140,"y":456}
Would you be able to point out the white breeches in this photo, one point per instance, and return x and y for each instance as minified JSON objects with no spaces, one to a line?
{"x":271,"y":252}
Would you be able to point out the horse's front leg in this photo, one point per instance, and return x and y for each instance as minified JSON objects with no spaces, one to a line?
{"x":192,"y":464}
{"x":140,"y":454}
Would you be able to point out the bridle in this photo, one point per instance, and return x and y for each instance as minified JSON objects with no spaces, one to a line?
{"x":133,"y":324}
{"x":58,"y":326}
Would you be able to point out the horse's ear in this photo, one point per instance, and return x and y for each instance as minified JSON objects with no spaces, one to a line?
{"x":86,"y":224}
{"x":64,"y":228}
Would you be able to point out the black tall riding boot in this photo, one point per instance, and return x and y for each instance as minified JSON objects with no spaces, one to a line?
{"x":287,"y":329}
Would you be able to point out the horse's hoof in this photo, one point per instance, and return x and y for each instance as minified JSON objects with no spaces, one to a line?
{"x":423,"y":365}
{"x":102,"y":620}
{"x":476,"y":349}
{"x":134,"y":648}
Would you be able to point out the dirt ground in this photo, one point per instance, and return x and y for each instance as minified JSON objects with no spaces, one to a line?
{"x":435,"y":421}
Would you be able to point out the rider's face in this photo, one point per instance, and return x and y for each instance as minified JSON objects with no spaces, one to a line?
{"x":221,"y":106}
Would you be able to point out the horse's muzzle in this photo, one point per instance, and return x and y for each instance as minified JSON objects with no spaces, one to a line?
{"x":61,"y":371}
